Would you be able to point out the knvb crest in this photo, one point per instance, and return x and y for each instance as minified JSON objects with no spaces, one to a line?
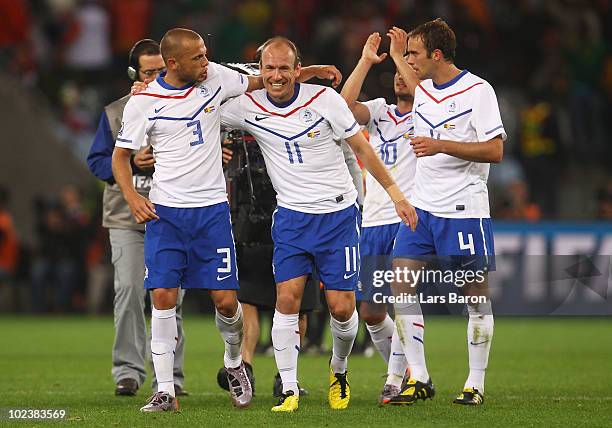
{"x":451,"y":107}
{"x":204,"y":91}
{"x":307,"y":116}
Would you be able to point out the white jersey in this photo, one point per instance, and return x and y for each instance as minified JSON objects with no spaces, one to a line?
{"x":183,"y":126}
{"x":297,"y":139}
{"x":390,"y":134}
{"x":464,"y":109}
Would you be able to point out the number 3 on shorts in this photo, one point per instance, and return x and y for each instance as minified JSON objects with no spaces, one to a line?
{"x":466,"y":246}
{"x":227,"y":261}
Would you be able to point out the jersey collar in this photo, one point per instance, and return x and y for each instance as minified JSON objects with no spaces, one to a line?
{"x":450,"y":82}
{"x":166,"y":85}
{"x":296,"y":92}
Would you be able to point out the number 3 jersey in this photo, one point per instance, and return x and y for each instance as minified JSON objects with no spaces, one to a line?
{"x":297,"y":138}
{"x":465,"y":110}
{"x":183,"y":126}
{"x":390,"y":134}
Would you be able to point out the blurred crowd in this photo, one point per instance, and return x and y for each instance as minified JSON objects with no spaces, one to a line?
{"x":550,"y":62}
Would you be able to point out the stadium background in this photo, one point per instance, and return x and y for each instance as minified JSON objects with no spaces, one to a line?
{"x":61,"y":61}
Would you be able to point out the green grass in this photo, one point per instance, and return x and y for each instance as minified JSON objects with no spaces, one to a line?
{"x":542,"y":372}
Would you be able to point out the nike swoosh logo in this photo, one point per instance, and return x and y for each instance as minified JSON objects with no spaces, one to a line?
{"x":395,"y":354}
{"x":468,"y":263}
{"x":258,"y":118}
{"x":478,"y":343}
{"x":280,"y":350}
{"x":420,"y":105}
{"x":383,"y":120}
{"x":157,"y":110}
{"x":221,"y":278}
{"x":348,"y":276}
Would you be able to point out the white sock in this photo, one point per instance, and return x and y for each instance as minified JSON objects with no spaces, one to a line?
{"x":343,"y":335}
{"x":164,"y":336}
{"x":286,"y":343}
{"x":397,"y":361}
{"x":231,"y":332}
{"x":479,"y":337}
{"x":381,"y":337}
{"x":411,"y":330}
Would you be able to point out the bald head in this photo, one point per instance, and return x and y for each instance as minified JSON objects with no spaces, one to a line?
{"x":279,"y":44}
{"x":176,"y":40}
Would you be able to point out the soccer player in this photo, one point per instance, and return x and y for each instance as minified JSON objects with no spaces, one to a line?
{"x":189,"y":242}
{"x":317,"y":219}
{"x":127,"y":236}
{"x":390,"y":127}
{"x":458,"y":133}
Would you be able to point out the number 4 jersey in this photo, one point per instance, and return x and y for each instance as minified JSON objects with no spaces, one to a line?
{"x":183,"y":125}
{"x":297,"y":139}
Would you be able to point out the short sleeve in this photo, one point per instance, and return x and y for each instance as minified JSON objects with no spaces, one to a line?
{"x":134,"y":125}
{"x":234,"y":83}
{"x":339,"y":116}
{"x":486,"y":118}
{"x":376,"y":108}
{"x":231,"y":114}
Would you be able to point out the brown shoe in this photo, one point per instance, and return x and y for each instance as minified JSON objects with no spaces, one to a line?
{"x":127,"y":387}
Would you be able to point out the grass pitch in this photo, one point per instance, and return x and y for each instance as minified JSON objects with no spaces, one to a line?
{"x":542,"y":372}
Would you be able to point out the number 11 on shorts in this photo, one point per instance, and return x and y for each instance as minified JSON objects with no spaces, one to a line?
{"x":350,"y":254}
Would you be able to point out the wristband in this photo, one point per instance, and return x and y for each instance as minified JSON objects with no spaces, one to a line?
{"x":395,"y":193}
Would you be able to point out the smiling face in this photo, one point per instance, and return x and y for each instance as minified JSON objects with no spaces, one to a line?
{"x":279,"y":71}
{"x":191,"y":64}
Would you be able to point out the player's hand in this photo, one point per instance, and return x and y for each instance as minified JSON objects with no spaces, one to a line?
{"x":328,"y":72}
{"x":370,"y":50}
{"x":399,"y":41}
{"x":142,"y":209}
{"x":226,"y":152}
{"x":144,"y":159}
{"x":425,"y":146}
{"x":138,"y":87}
{"x":407,"y":213}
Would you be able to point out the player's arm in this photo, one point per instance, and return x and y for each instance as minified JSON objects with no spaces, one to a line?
{"x":491,"y":151}
{"x":325,"y":72}
{"x":130,"y":137}
{"x":99,"y":159}
{"x":142,"y":209}
{"x":352,"y":87}
{"x":374,"y":166}
{"x":397,"y":50}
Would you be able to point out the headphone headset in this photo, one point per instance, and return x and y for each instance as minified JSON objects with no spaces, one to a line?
{"x":132,"y":70}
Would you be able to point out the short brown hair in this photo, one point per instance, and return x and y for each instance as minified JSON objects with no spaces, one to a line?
{"x":279,"y":39}
{"x":437,"y":34}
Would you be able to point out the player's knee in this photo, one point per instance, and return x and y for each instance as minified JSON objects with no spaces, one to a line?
{"x":287,"y":303}
{"x":164,"y":298}
{"x":227,"y":306}
{"x":342,"y":310}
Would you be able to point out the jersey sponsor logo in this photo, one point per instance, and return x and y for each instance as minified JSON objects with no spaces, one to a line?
{"x":222,"y":278}
{"x":420,"y":104}
{"x":258,"y":118}
{"x":314,"y":133}
{"x":382,"y":120}
{"x":203,"y":91}
{"x":307,"y":115}
{"x":451,"y":107}
{"x":157,"y":110}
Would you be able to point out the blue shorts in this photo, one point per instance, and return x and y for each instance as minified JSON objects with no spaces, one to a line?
{"x":330,"y":241}
{"x":191,"y":248}
{"x":458,"y":243}
{"x":376,"y":245}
